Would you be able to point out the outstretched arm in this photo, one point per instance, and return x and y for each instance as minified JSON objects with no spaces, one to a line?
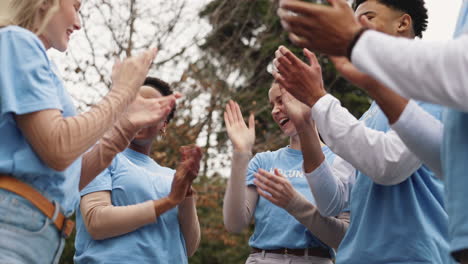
{"x":348,"y":137}
{"x":141,"y":113}
{"x":239,"y":200}
{"x":420,"y":131}
{"x":433,"y":71}
{"x":59,"y":140}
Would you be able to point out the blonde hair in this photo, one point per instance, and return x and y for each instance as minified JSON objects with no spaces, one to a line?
{"x":26,"y":14}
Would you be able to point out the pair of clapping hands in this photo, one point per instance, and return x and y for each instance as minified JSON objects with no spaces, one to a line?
{"x":301,"y":86}
{"x":186,"y":173}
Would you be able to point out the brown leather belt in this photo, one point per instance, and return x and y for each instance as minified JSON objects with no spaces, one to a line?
{"x":316,"y":252}
{"x":63,"y":224}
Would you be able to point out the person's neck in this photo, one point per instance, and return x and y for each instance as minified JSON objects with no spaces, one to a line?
{"x":141,"y":148}
{"x":294,"y":142}
{"x":44,"y":41}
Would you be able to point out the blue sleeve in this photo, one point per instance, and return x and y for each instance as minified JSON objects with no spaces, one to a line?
{"x":26,"y":75}
{"x":254,"y":165}
{"x":102,"y":182}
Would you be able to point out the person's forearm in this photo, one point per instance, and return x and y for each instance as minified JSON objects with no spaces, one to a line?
{"x":189,"y":224}
{"x":237,"y":209}
{"x":103,"y":220}
{"x":423,"y":134}
{"x":381,"y":156}
{"x":59,"y":141}
{"x":330,"y":230}
{"x":101,"y":155}
{"x":391,"y":103}
{"x":422,"y":70}
{"x":331,"y":187}
{"x":310,"y":146}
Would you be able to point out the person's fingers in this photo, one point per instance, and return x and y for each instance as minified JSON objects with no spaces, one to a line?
{"x":269,"y":180}
{"x":233,"y":111}
{"x":252,"y":122}
{"x":302,"y":8}
{"x":229,"y":112}
{"x":279,"y":175}
{"x":117,"y":63}
{"x":226,"y":121}
{"x":280,"y":79}
{"x":264,"y":185}
{"x":365,"y":22}
{"x":313,"y":61}
{"x":299,"y":41}
{"x":284,"y":66}
{"x":270,"y":198}
{"x":239,"y":116}
{"x":177,"y":95}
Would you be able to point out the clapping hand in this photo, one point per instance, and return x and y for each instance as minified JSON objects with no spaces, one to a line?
{"x":274,"y":187}
{"x":241,"y":136}
{"x":302,"y":81}
{"x":186,"y":173}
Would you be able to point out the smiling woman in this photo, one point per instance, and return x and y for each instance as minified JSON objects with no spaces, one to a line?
{"x":272,"y":188}
{"x":43,"y":137}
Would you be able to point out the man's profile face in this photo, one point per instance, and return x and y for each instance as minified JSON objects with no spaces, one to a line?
{"x":383,"y":18}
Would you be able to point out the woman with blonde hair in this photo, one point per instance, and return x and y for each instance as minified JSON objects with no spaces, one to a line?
{"x":43,"y":139}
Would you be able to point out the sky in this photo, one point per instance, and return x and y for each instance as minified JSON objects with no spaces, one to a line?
{"x":442,"y":19}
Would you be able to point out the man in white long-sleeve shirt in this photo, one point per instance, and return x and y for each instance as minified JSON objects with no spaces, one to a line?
{"x":392,"y":194}
{"x":433,"y":72}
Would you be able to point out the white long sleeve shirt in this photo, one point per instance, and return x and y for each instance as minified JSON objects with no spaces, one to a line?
{"x":422,"y":70}
{"x":422,"y":133}
{"x":381,"y":156}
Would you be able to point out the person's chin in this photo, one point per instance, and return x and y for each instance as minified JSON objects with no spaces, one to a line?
{"x":63,"y":46}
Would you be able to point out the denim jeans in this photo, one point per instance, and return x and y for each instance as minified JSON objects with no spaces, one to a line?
{"x":26,"y":235}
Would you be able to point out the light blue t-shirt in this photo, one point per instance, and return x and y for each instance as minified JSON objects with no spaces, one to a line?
{"x":134,"y":178}
{"x":455,"y":162}
{"x":29,"y":83}
{"x":402,"y":223}
{"x":274,"y":227}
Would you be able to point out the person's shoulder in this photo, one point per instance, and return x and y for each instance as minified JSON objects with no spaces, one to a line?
{"x":21,"y":35}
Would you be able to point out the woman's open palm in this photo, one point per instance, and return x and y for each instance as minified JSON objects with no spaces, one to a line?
{"x":241,"y":136}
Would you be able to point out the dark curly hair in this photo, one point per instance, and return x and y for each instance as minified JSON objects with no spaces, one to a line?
{"x":164,"y":88}
{"x":415,"y":8}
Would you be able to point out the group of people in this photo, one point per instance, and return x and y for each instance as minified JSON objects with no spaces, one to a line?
{"x":387,"y":188}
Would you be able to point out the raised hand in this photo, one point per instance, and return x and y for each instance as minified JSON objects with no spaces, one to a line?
{"x":144,"y":112}
{"x":326,"y":29}
{"x":241,"y":136}
{"x":298,"y":112}
{"x":303,"y":81}
{"x":128,"y":75}
{"x":186,"y":172}
{"x":280,"y":190}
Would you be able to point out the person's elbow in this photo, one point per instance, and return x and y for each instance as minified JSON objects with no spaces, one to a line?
{"x":390,"y":176}
{"x":191,"y":250}
{"x":57,"y":160}
{"x":233,"y":226}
